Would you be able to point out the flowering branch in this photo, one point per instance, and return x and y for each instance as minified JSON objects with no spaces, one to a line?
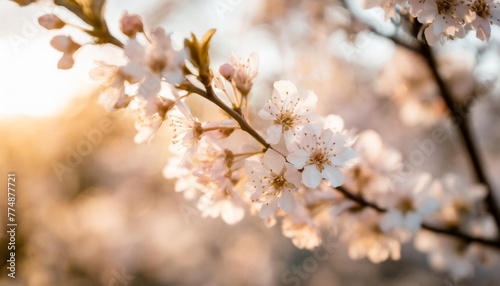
{"x":210,"y":95}
{"x":317,"y":154}
{"x":460,"y":117}
{"x":459,"y":114}
{"x":450,"y":232}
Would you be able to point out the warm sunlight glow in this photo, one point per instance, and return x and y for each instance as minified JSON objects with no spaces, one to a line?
{"x":33,"y":85}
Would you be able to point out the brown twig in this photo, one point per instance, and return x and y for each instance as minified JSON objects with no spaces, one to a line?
{"x":450,"y":232}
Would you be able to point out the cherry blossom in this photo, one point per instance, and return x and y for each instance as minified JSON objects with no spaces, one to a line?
{"x":446,"y":254}
{"x":288,"y":110}
{"x":459,"y":199}
{"x":113,"y":81}
{"x":377,"y":169}
{"x":215,"y":203}
{"x":322,"y":154}
{"x":446,"y":18}
{"x":366,"y":239}
{"x":240,"y":72}
{"x":271,"y":182}
{"x":409,"y":204}
{"x":487,"y":13}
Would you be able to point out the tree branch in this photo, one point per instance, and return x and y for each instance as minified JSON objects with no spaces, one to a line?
{"x":460,"y":118}
{"x":459,"y":114}
{"x":450,"y":232}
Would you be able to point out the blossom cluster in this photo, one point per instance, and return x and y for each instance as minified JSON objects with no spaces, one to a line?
{"x":446,"y":19}
{"x":304,"y":170}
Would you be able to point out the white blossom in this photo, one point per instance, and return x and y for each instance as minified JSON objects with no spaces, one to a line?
{"x":445,"y":18}
{"x":446,"y":253}
{"x":377,"y":167}
{"x":271,"y":182}
{"x":113,"y":82}
{"x":366,"y":239}
{"x":288,"y":110}
{"x":242,"y":73}
{"x":409,"y":204}
{"x":321,"y":153}
{"x":487,"y":13}
{"x":187,"y":129}
{"x":215,"y":203}
{"x":460,"y":200}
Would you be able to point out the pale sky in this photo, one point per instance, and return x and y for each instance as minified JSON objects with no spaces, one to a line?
{"x":31,"y":84}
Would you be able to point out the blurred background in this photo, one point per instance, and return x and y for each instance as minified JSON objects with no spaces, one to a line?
{"x":93,"y":207}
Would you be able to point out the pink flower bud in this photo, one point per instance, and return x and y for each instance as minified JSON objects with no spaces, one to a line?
{"x":64,"y":44}
{"x":66,"y":62}
{"x":131,"y":24}
{"x":50,"y":22}
{"x":227,"y":71}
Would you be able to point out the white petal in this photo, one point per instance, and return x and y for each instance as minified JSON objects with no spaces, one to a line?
{"x":292,"y":175}
{"x":311,"y":176}
{"x":298,"y":158}
{"x":334,"y":122}
{"x":253,"y":64}
{"x":274,"y":161}
{"x":286,"y":201}
{"x":268,"y":209}
{"x":390,"y":220}
{"x":273,"y":134}
{"x":285,"y":88}
{"x":134,"y":51}
{"x":428,"y":207}
{"x":348,"y":156}
{"x":150,"y":86}
{"x":265,"y":112}
{"x":412,"y":221}
{"x":333,"y":175}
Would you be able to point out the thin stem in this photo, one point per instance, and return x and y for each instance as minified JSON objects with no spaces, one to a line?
{"x":210,"y":95}
{"x":248,"y":154}
{"x":220,"y":128}
{"x":237,"y":102}
{"x":450,"y":232}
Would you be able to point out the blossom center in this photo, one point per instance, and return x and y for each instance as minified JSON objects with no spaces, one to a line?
{"x":319,"y":159}
{"x":481,"y":8}
{"x":286,"y":119}
{"x":278,"y":183}
{"x":406,"y":205}
{"x":197,"y":130}
{"x":445,"y":6}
